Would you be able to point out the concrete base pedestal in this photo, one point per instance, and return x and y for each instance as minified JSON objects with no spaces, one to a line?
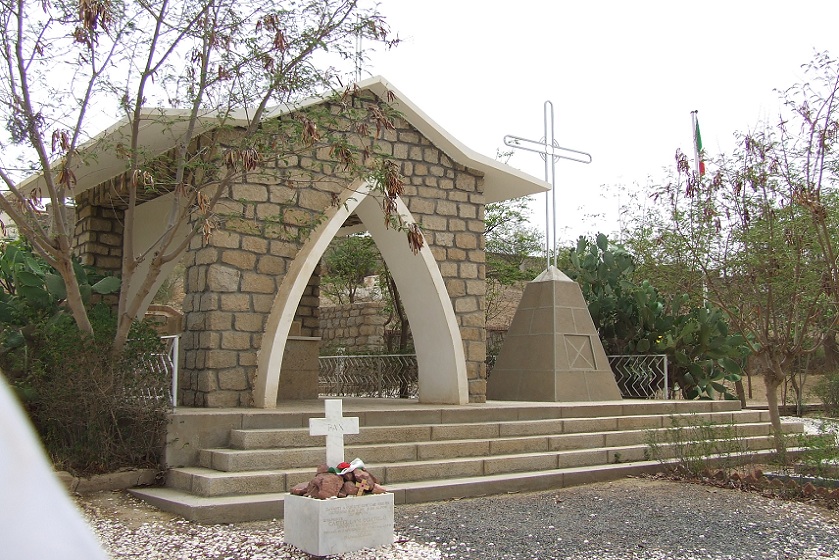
{"x":299,"y":373}
{"x":552,"y":351}
{"x":324,"y":527}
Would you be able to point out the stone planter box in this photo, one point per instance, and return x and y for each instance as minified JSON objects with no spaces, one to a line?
{"x":324,"y":527}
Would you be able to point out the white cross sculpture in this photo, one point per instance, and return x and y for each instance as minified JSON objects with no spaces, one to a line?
{"x":334,"y":427}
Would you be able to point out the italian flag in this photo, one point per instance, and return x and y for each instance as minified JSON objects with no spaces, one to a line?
{"x":697,"y":146}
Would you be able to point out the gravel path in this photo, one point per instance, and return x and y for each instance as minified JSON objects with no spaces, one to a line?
{"x":632,"y":518}
{"x":627,"y":519}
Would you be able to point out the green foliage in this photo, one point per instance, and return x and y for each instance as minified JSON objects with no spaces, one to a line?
{"x":632,"y":317}
{"x":90,"y":406}
{"x":345,"y":265}
{"x":510,"y":242}
{"x":605,"y":277}
{"x":694,"y":445}
{"x":29,"y":287}
{"x":94,"y":411}
{"x":703,"y":353}
{"x":33,"y":293}
{"x":820,"y":451}
{"x":511,"y":249}
{"x":827,"y":389}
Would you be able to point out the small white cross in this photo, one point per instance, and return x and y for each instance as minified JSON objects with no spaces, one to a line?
{"x":334,"y":427}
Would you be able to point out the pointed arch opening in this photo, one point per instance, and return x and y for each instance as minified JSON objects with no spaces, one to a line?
{"x":440,"y":357}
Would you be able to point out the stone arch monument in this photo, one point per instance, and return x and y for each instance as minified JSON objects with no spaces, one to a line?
{"x":440,"y":353}
{"x":258,"y":277}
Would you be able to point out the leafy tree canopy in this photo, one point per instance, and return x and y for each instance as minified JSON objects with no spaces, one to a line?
{"x":199,"y":69}
{"x":345,"y":265}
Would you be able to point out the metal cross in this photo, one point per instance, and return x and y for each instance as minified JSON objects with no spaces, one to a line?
{"x":545,"y":147}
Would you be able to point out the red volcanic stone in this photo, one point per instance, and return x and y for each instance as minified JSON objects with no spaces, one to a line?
{"x":300,"y":489}
{"x":324,"y":486}
{"x":348,"y":489}
{"x":361,"y":475}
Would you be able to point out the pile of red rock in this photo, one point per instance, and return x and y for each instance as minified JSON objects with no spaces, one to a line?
{"x":327,"y":485}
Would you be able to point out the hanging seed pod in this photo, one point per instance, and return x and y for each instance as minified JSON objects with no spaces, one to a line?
{"x":415,"y":239}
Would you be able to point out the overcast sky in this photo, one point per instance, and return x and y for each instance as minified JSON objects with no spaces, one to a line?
{"x":623,"y":78}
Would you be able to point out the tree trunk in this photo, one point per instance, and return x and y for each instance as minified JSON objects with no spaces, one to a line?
{"x":741,"y":392}
{"x":772,"y":382}
{"x":74,"y":296}
{"x":798,"y":389}
{"x":831,"y":351}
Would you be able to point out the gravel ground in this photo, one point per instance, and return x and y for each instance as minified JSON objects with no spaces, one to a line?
{"x":633,"y":518}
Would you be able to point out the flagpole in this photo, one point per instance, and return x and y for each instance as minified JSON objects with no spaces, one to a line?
{"x":697,"y":164}
{"x":693,"y":122}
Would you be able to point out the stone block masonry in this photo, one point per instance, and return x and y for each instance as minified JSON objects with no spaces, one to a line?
{"x":263,"y":221}
{"x":98,"y":233}
{"x":356,"y":327}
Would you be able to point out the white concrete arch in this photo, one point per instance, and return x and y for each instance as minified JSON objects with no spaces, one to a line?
{"x":440,"y":356}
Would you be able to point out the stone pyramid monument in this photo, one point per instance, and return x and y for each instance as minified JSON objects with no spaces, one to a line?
{"x":552,"y":351}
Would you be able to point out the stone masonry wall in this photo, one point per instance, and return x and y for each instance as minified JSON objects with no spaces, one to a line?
{"x":357,"y":327}
{"x":98,"y":233}
{"x":267,"y":217}
{"x":231,"y":283}
{"x":263,"y":221}
{"x":448,"y":201}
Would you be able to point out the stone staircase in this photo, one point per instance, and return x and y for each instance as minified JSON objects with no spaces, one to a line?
{"x":425,"y":453}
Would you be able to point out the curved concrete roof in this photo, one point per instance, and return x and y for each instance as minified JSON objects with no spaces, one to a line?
{"x":160,"y":129}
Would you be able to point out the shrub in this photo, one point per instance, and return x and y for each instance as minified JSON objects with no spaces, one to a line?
{"x":94,"y":411}
{"x":820,"y":451}
{"x":633,"y":317}
{"x":694,"y":445}
{"x":827,"y":389}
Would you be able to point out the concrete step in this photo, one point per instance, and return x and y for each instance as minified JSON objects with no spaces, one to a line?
{"x":603,"y":449}
{"x":299,"y":437}
{"x":411,"y":413}
{"x":388,"y":444}
{"x":192,"y":429}
{"x":254,"y":507}
{"x":245,"y":461}
{"x":269,"y":505}
{"x":512,"y":412}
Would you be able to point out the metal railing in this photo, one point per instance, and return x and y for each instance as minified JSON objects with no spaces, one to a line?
{"x":641,"y":376}
{"x":371,"y":375}
{"x":164,"y":364}
{"x":395,"y":375}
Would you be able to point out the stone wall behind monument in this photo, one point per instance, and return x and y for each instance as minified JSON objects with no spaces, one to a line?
{"x":354,"y":328}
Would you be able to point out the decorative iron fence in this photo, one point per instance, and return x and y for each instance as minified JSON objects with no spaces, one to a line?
{"x":395,"y":375}
{"x":164,"y":364}
{"x":641,"y":376}
{"x":374,"y":375}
